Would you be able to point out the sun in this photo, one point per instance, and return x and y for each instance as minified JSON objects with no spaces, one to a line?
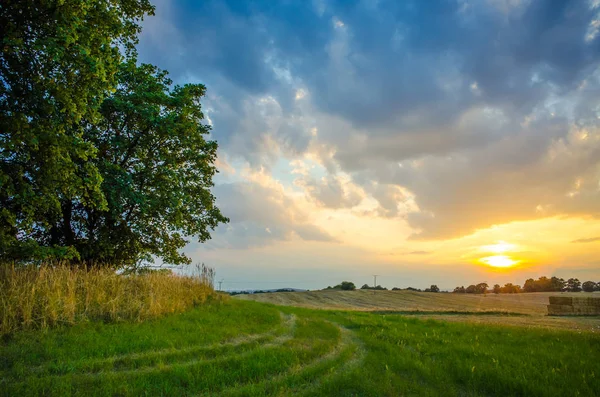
{"x":499,"y":261}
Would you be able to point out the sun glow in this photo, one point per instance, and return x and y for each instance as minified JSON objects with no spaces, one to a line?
{"x":498,"y":248}
{"x":499,"y":261}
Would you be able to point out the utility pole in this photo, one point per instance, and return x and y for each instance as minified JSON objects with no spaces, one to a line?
{"x":374,"y":282}
{"x":220,"y":282}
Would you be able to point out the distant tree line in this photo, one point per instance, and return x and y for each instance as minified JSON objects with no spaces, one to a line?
{"x":542,"y":284}
{"x":344,"y":286}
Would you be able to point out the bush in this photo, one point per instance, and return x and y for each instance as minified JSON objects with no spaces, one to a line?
{"x":40,"y":297}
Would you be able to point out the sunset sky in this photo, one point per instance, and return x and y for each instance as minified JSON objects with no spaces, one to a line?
{"x":430,"y":142}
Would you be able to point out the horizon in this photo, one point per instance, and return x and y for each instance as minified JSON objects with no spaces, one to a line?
{"x":445,"y":143}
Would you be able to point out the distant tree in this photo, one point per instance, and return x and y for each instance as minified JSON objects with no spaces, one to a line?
{"x":434,"y":288}
{"x":597,"y":286}
{"x":529,"y":285}
{"x":344,"y":286}
{"x":544,"y":284}
{"x":588,"y":286}
{"x":557,"y":284}
{"x":497,"y":289}
{"x":509,"y":288}
{"x":347,"y":286}
{"x":393,"y":289}
{"x":471,"y":289}
{"x":365,"y":286}
{"x":573,"y":285}
{"x":459,"y":290}
{"x":482,"y":288}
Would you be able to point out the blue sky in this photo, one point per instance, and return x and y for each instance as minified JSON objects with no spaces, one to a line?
{"x":398,"y":138}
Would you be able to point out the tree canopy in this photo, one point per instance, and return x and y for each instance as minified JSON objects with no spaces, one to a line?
{"x":100,"y":159}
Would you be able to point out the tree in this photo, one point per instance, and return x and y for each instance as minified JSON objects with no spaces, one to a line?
{"x":573,"y":285}
{"x":347,"y":286}
{"x":471,"y":289}
{"x":344,"y":286}
{"x":509,"y":288}
{"x":497,"y":289}
{"x":481,"y":288}
{"x":530,"y":285}
{"x":588,"y":286}
{"x":557,"y":284}
{"x":459,"y":290}
{"x":433,"y":288}
{"x":157,"y":172}
{"x":58,"y":62}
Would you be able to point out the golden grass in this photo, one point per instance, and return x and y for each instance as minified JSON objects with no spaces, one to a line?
{"x":41,"y":297}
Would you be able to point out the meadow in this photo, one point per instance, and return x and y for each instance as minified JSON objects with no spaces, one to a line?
{"x":236,"y":347}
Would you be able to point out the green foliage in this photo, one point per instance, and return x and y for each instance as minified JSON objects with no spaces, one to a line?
{"x":157,"y":171}
{"x":377,"y":287}
{"x":433,"y":288}
{"x":573,"y":285}
{"x":58,"y":62}
{"x":101,"y":160}
{"x":344,"y":286}
{"x":588,"y":286}
{"x":250,"y":349}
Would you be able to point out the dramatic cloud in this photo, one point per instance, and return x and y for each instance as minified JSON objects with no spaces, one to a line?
{"x":450,"y":115}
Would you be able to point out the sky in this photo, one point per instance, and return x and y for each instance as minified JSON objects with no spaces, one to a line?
{"x":428,"y":142}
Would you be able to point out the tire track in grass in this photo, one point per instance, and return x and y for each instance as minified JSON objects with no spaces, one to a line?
{"x":145,"y":361}
{"x":302,"y":379}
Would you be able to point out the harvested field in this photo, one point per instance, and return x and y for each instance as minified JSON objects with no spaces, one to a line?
{"x":527,"y":309}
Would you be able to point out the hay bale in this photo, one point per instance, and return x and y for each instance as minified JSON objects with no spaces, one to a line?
{"x":561,"y":300}
{"x":586,"y":310}
{"x":560,"y":310}
{"x":586,"y":301}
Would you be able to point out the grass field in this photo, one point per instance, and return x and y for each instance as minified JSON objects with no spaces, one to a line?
{"x":247,"y":348}
{"x":518,"y":309}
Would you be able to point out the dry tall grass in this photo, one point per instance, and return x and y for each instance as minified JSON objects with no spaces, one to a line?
{"x":46,"y":296}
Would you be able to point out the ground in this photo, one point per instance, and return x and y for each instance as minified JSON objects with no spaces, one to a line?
{"x":244,"y":348}
{"x":518,"y":309}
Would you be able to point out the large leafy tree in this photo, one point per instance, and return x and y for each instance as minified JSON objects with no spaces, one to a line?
{"x":58,"y":61}
{"x":157,"y":169}
{"x":101,"y":160}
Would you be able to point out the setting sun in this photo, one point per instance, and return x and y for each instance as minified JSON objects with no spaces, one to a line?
{"x":499,"y":261}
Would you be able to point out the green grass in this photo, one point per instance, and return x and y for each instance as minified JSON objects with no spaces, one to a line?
{"x":244,"y":348}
